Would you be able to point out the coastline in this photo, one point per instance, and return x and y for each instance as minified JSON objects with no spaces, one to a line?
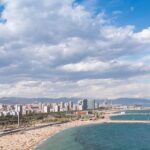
{"x":84,"y":124}
{"x":29,"y":140}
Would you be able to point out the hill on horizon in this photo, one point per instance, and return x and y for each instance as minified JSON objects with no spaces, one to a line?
{"x":119,"y":101}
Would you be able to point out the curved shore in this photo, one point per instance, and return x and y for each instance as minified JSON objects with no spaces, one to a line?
{"x":28,"y":140}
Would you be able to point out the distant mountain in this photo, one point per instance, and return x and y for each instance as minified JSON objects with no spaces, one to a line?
{"x":132,"y":101}
{"x":119,"y":101}
{"x":23,"y":100}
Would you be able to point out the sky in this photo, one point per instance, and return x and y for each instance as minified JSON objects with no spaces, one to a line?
{"x":75,"y":48}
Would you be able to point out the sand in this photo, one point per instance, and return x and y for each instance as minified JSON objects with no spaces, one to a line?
{"x":28,"y":140}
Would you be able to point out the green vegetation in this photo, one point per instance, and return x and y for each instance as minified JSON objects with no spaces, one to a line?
{"x":37,"y":118}
{"x":33,"y":118}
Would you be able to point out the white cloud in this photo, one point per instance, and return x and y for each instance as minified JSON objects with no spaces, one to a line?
{"x":143,"y":36}
{"x":91,"y":65}
{"x":57,"y":44}
{"x":93,"y":88}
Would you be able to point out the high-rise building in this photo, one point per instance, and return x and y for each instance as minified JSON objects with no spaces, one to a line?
{"x":74,"y":107}
{"x":61,"y":105}
{"x":46,"y":109}
{"x":66,"y":106}
{"x":1,"y":106}
{"x":70,"y":105}
{"x":56,"y":108}
{"x":40,"y":107}
{"x":82,"y":104}
{"x":91,"y":104}
{"x":18,"y":108}
{"x":96,"y":105}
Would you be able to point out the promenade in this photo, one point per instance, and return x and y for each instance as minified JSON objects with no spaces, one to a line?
{"x":7,"y":132}
{"x":27,"y":139}
{"x":128,"y":121}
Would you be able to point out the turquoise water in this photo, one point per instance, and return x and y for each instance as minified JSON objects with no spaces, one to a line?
{"x":138,"y":111}
{"x":131,"y":117}
{"x":134,"y":115}
{"x":101,"y":137}
{"x":105,"y":136}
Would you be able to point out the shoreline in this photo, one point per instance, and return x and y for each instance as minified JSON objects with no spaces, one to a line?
{"x":107,"y":119}
{"x":30,"y":140}
{"x":86,"y":123}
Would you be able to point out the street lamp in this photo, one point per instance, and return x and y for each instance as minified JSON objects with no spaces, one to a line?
{"x":18,"y":118}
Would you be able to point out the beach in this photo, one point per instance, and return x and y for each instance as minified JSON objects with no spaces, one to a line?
{"x":28,"y":140}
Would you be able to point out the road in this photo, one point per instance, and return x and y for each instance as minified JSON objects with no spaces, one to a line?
{"x":12,"y":131}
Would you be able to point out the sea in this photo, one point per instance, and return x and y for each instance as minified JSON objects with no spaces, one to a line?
{"x":105,"y":136}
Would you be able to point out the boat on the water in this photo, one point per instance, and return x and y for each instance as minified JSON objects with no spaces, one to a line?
{"x":122,"y":113}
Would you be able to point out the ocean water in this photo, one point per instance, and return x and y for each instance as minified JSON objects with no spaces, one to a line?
{"x":101,"y":137}
{"x":134,"y":115}
{"x":104,"y":136}
{"x":131,"y":117}
{"x":138,"y":111}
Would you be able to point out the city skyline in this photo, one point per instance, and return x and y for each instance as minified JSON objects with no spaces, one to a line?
{"x":93,"y":49}
{"x":25,"y":109}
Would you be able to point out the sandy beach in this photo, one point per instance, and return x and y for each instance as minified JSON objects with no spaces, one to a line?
{"x":28,"y":140}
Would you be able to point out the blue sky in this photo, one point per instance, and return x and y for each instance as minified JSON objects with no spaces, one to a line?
{"x":128,"y":12}
{"x":122,"y":12}
{"x":1,"y":7}
{"x":1,"y":10}
{"x":133,"y":12}
{"x":86,"y":48}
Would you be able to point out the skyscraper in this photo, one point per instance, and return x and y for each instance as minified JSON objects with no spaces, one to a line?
{"x":91,"y":104}
{"x":82,"y":104}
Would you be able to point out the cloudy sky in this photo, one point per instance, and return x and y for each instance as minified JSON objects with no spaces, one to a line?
{"x":83,"y":48}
